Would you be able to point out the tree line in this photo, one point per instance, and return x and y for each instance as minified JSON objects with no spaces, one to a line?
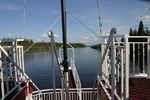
{"x":139,"y":48}
{"x":39,"y":46}
{"x":97,"y":46}
{"x":142,"y":31}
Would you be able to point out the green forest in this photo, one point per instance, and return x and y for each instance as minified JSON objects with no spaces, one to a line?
{"x":142,"y":31}
{"x":139,"y":48}
{"x":98,"y":46}
{"x":40,"y":46}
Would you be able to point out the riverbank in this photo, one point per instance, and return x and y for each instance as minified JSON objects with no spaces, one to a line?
{"x":30,"y":46}
{"x":98,"y":46}
{"x":46,"y":46}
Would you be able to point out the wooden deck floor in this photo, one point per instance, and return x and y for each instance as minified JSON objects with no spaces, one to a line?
{"x":71,"y":80}
{"x":139,"y":89}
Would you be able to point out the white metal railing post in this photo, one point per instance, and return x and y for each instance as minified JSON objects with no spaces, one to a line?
{"x":133,"y":58}
{"x":138,"y":58}
{"x":20,"y":63}
{"x":62,"y":90}
{"x":102,"y":52}
{"x":148,"y":58}
{"x":14,"y":58}
{"x":50,"y":34}
{"x":105,"y":65}
{"x":113,"y":31}
{"x":112,"y":69}
{"x":98,"y":92}
{"x":6,"y":73}
{"x":17,"y":62}
{"x":46,"y":94}
{"x":10,"y":55}
{"x":122,"y":76}
{"x":22,"y":60}
{"x":1,"y":76}
{"x":143,"y":58}
{"x":126,"y":67}
{"x":60,"y":68}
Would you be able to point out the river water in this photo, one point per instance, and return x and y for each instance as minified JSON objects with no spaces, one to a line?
{"x":38,"y":67}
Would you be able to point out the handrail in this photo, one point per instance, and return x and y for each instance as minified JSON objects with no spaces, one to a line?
{"x":11,"y":60}
{"x":120,"y":62}
{"x":47,"y":94}
{"x":18,"y":70}
{"x":113,"y":31}
{"x":110,"y":39}
{"x":53,"y":46}
{"x":58,"y":89}
{"x":76,"y":79}
{"x":75,"y":74}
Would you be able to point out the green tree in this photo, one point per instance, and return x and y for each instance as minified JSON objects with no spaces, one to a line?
{"x":135,"y":33}
{"x":131,"y":33}
{"x":141,"y":29}
{"x":98,"y":46}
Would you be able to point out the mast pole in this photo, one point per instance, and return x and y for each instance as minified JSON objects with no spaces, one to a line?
{"x":65,"y":61}
{"x":63,"y":12}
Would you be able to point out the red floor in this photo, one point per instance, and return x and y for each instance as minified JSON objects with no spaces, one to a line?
{"x":139,"y":89}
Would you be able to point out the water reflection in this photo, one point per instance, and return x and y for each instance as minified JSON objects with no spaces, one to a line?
{"x":38,"y":67}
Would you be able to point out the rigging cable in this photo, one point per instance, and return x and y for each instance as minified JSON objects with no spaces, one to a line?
{"x":100,"y":23}
{"x":42,"y":34}
{"x":85,"y":26}
{"x":24,"y":17}
{"x":52,"y":24}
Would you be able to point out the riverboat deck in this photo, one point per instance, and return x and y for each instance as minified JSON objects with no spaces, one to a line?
{"x":139,"y":89}
{"x":119,"y":77}
{"x":124,"y":72}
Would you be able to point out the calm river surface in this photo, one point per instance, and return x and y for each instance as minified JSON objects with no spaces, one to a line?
{"x":38,"y":67}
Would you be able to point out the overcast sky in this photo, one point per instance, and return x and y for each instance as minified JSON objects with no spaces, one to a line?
{"x":41,"y":14}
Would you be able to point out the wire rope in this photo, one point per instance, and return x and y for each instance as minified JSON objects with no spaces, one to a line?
{"x":85,"y":26}
{"x":100,"y":23}
{"x":42,"y":35}
{"x":52,"y":24}
{"x":24,"y":18}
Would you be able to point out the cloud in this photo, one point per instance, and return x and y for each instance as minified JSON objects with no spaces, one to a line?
{"x":45,"y":36}
{"x":145,"y":18}
{"x":9,"y":7}
{"x":9,"y":34}
{"x":86,"y":40}
{"x":55,"y":35}
{"x":147,"y":9}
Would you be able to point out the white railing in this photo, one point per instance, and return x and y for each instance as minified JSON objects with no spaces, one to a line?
{"x":76,"y":79}
{"x":121,"y":60}
{"x":139,"y":56}
{"x":75,"y":75}
{"x":47,"y":94}
{"x":71,"y":64}
{"x":72,"y":67}
{"x":12,"y":68}
{"x":103,"y":61}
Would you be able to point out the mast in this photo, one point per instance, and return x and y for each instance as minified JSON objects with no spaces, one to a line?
{"x":65,"y":61}
{"x":63,"y":13}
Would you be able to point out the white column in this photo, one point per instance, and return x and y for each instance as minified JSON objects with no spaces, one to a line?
{"x":53,"y":68}
{"x":126,"y":67}
{"x":112,"y":69}
{"x":1,"y":76}
{"x":148,"y":58}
